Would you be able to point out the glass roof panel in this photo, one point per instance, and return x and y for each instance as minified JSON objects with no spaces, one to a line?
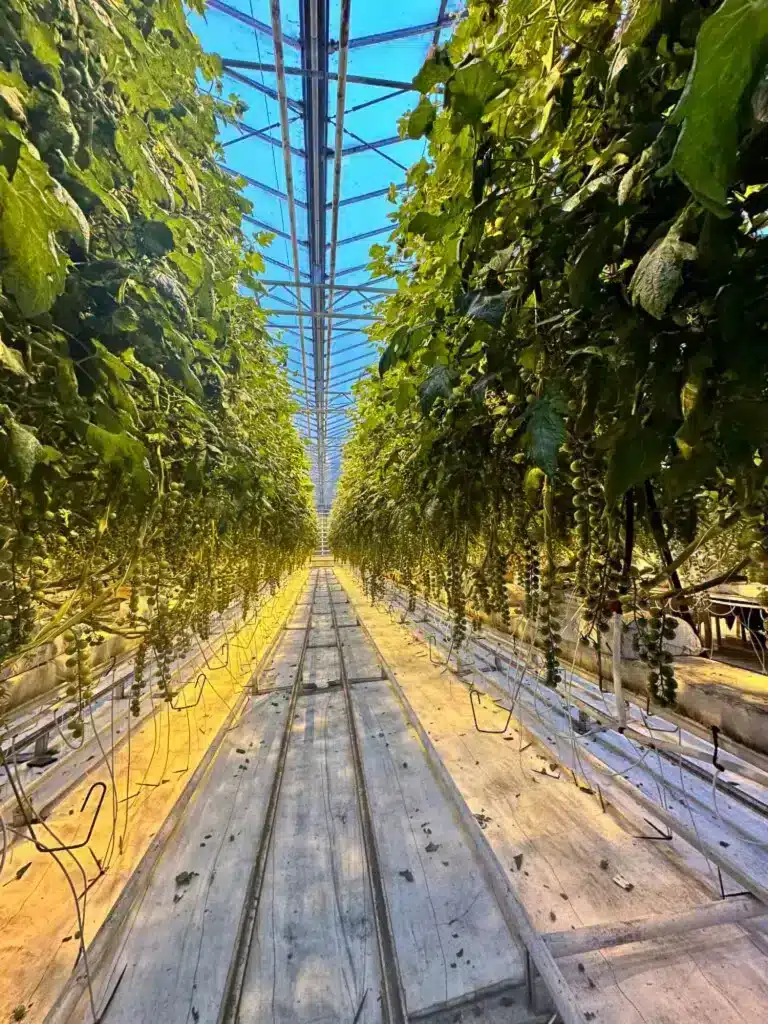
{"x":388,"y":44}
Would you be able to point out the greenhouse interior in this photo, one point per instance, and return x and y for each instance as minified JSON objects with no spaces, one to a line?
{"x":384,"y":511}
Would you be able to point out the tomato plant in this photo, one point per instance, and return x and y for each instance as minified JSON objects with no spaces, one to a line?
{"x":150,"y":471}
{"x":573,"y":375}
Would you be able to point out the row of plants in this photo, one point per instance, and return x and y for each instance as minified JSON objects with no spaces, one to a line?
{"x":150,"y":471}
{"x":573,"y":378}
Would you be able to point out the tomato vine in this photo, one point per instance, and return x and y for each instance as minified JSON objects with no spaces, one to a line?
{"x":150,"y":471}
{"x":573,"y":377}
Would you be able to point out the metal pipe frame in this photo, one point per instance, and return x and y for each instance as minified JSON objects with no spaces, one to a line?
{"x":251,"y":22}
{"x":272,"y":229}
{"x":323,"y":315}
{"x":230,"y":64}
{"x":338,"y":287}
{"x":341,"y":99}
{"x":277,"y":39}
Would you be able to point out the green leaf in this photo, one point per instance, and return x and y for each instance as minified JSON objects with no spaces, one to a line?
{"x":156,"y":238}
{"x":10,"y":359}
{"x":430,"y":225}
{"x":436,"y":69}
{"x":637,"y":454}
{"x":22,"y":451}
{"x":31,"y":212}
{"x":12,"y":104}
{"x":659,"y":274}
{"x":583,"y":278}
{"x":545,"y":433}
{"x":42,"y":39}
{"x":641,"y":22}
{"x":437,"y":385}
{"x":488,"y":308}
{"x":731,"y":47}
{"x":472,"y":87}
{"x":393,"y":350}
{"x":121,"y":451}
{"x":421,"y":120}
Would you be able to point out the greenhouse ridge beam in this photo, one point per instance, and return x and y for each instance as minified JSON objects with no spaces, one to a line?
{"x":277,"y":34}
{"x":339,"y":149}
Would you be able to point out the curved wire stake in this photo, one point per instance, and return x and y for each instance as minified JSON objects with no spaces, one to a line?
{"x":474,"y":692}
{"x":200,"y":682}
{"x":75,"y":846}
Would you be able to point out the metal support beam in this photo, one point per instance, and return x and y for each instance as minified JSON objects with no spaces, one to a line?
{"x":322,"y":314}
{"x":277,"y":36}
{"x":376,"y":194}
{"x":272,"y":229}
{"x":251,"y":22}
{"x":262,"y":185}
{"x":260,"y":87}
{"x":398,"y":33}
{"x":341,"y":101}
{"x":257,"y":133}
{"x":383,"y":83}
{"x":367,"y":234}
{"x":338,"y":287}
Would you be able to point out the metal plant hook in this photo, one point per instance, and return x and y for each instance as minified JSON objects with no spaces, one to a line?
{"x":69,"y":847}
{"x":474,"y":692}
{"x":200,"y":682}
{"x":223,"y":664}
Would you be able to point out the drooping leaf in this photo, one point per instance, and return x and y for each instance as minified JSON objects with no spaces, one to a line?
{"x":437,"y":385}
{"x":22,"y":450}
{"x":636,"y":455}
{"x":12,"y":103}
{"x":659,"y":274}
{"x":545,"y":433}
{"x":430,"y":225}
{"x":472,"y":88}
{"x":731,"y":46}
{"x":644,"y":16}
{"x":421,"y":119}
{"x":436,"y":70}
{"x":488,"y":308}
{"x":156,"y":238}
{"x":121,"y":451}
{"x":31,"y":212}
{"x":10,"y":359}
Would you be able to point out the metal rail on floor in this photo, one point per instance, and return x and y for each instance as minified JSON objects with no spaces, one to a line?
{"x":392,"y":990}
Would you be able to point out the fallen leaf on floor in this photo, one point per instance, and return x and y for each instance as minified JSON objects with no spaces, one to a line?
{"x":432,"y":847}
{"x":407,"y":875}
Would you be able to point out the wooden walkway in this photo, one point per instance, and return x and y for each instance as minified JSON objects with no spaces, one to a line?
{"x":321,"y":872}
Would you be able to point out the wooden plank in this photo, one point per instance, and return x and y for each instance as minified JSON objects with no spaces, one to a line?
{"x":360,"y":659}
{"x":603,"y":936}
{"x":321,"y":667}
{"x":450,"y":936}
{"x":322,"y":637}
{"x":314,"y":956}
{"x":282,"y":670}
{"x":177,"y":950}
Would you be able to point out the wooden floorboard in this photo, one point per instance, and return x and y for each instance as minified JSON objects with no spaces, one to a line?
{"x":315,"y":957}
{"x":177,"y":950}
{"x":450,"y":937}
